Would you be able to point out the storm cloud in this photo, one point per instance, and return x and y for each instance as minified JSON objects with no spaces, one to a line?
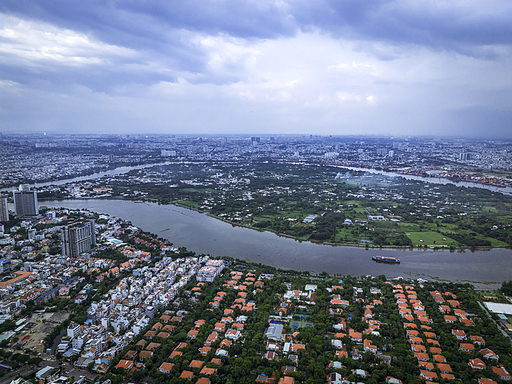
{"x":323,"y":67}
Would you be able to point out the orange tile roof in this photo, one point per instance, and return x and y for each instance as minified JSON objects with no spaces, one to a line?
{"x":187,"y":375}
{"x":196,"y":363}
{"x":166,"y":367}
{"x":208,"y":371}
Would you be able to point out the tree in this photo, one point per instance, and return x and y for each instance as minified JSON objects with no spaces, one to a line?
{"x":506,"y":288}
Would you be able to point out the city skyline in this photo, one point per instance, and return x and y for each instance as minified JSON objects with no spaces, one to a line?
{"x":391,"y":68}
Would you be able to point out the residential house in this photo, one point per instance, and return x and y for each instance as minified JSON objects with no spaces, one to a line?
{"x":427,"y":375}
{"x":484,"y":380}
{"x":501,"y":372}
{"x":125,"y":364}
{"x":488,"y":354}
{"x":477,"y":364}
{"x":165,"y":367}
{"x":459,"y":334}
{"x":466,"y":347}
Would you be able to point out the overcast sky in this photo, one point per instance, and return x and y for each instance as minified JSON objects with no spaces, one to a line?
{"x":299,"y":66}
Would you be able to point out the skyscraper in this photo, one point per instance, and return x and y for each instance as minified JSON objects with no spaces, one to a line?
{"x":25,"y":203}
{"x":4,"y":212}
{"x":78,"y":237}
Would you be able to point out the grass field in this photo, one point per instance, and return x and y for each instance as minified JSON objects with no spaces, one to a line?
{"x":409,"y":227}
{"x":188,"y":203}
{"x":489,"y":208}
{"x":429,"y":238}
{"x":195,"y":190}
{"x":345,"y":236}
{"x":494,"y":242}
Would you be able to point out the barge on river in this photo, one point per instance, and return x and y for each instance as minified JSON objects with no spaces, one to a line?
{"x":384,"y":259}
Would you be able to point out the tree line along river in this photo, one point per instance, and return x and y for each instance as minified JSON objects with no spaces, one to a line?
{"x":203,"y":234}
{"x":126,"y":169}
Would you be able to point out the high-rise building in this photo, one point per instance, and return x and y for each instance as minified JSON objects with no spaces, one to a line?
{"x":78,"y":237}
{"x":464,"y":156}
{"x":25,"y":203}
{"x":4,"y":212}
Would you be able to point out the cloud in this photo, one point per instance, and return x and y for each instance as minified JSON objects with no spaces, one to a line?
{"x":40,"y":44}
{"x":256,"y":66}
{"x":39,"y":54}
{"x":472,"y":28}
{"x":469,"y":27}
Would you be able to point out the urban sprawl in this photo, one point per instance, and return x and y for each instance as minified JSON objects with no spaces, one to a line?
{"x":90,"y":298}
{"x":37,"y":158}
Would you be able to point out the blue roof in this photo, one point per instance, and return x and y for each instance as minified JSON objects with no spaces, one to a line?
{"x":68,"y":281}
{"x":48,"y":293}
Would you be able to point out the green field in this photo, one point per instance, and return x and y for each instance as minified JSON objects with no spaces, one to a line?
{"x":346,"y":237}
{"x":430,"y":238}
{"x":409,"y":227}
{"x":188,"y":203}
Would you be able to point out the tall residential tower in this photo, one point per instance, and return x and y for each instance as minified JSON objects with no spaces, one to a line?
{"x":4,"y":212}
{"x":25,"y":203}
{"x":78,"y":237}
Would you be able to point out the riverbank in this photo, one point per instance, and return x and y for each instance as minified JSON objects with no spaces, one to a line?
{"x":365,"y":246}
{"x":506,"y":190}
{"x":206,"y":235}
{"x":111,"y":171}
{"x":300,"y":240}
{"x":447,"y":218}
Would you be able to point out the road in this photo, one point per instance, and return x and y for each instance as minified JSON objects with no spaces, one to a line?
{"x":507,"y":336}
{"x":22,"y":371}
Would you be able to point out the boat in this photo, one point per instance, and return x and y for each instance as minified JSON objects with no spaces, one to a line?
{"x":384,"y":259}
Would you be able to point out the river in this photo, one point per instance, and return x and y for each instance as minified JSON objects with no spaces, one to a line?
{"x":206,"y":235}
{"x":434,"y":180}
{"x":92,"y":176}
{"x":123,"y":170}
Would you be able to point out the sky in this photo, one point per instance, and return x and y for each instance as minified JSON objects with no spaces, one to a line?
{"x":326,"y":67}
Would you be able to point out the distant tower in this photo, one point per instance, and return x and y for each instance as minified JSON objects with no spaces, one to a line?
{"x":4,"y":212}
{"x":464,"y":156}
{"x":24,"y":188}
{"x":78,"y":237}
{"x":25,"y":202}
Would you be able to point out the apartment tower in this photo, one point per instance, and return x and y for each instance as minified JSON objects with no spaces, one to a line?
{"x":78,"y":237}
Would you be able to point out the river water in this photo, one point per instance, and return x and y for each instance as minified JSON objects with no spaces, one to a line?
{"x":122,"y":170}
{"x":434,"y":180}
{"x":92,"y":176}
{"x":206,"y":235}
